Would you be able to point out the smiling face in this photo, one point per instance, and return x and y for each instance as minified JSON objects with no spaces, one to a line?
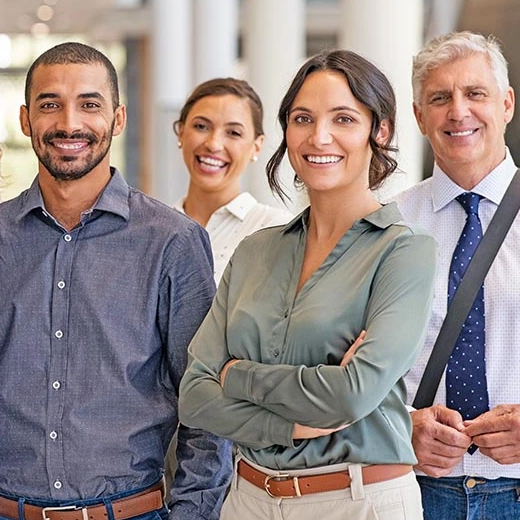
{"x":71,"y":119}
{"x":218,"y":142}
{"x":328,"y":135}
{"x":464,"y":116}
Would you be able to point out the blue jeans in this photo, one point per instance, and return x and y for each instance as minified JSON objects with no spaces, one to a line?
{"x":470,"y":498}
{"x":159,"y":514}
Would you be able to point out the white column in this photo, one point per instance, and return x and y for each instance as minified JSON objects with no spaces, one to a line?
{"x":274,"y":43}
{"x":389,"y":34}
{"x":215,"y":33}
{"x":171,"y":80}
{"x":442,"y":16}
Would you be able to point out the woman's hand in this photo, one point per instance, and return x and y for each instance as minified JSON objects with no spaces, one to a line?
{"x":307,"y":432}
{"x":352,"y":350}
{"x":225,"y":369}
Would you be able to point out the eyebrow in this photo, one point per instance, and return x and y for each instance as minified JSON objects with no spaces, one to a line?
{"x":341,"y":108}
{"x":230,"y":123}
{"x":429,"y":93}
{"x":464,"y":88}
{"x":85,"y":95}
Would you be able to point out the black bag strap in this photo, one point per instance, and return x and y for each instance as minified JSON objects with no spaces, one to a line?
{"x":467,"y":292}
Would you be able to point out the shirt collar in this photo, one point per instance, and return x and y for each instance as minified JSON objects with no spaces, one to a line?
{"x":492,"y":186}
{"x":113,"y":199}
{"x":239,"y":207}
{"x":382,"y":218}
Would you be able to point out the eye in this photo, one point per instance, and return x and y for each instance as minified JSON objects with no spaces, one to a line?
{"x":439,"y":99}
{"x":476,"y":94}
{"x":91,"y":105}
{"x":302,"y":119}
{"x":234,"y":133}
{"x":200,"y":126}
{"x":345,"y":119}
{"x":50,"y":105}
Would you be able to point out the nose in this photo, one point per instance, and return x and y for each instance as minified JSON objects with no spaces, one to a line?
{"x":69,"y":120}
{"x":214,"y":142}
{"x":320,"y":135}
{"x":459,"y":108}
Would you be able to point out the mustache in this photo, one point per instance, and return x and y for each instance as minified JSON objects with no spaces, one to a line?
{"x":83,"y":136}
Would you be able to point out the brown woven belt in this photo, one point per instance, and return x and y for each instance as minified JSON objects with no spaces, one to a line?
{"x":144,"y":502}
{"x":285,"y":485}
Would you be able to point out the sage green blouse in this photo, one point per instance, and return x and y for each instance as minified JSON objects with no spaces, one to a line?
{"x":379,"y":277}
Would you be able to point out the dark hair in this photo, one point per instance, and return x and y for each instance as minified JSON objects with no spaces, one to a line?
{"x":221,"y":87}
{"x":73,"y":52}
{"x":369,"y":86}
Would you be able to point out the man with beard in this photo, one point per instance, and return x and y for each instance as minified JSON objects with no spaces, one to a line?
{"x":102,"y":289}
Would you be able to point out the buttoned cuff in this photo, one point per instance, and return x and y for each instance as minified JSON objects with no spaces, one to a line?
{"x":238,"y":385}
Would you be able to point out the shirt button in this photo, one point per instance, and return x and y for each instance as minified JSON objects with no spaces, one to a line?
{"x":56,"y":385}
{"x":59,"y":334}
{"x":67,"y":238}
{"x":276,"y":352}
{"x":471,"y":483}
{"x":61,"y":284}
{"x":57,"y":484}
{"x":53,"y":435}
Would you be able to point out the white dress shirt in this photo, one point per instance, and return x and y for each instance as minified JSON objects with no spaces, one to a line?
{"x":431,"y":204}
{"x":233,"y":222}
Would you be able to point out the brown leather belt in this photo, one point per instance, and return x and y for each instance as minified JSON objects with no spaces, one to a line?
{"x":285,"y":485}
{"x":144,"y":502}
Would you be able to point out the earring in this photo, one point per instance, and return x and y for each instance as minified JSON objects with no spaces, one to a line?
{"x":254,"y":158}
{"x":179,"y":144}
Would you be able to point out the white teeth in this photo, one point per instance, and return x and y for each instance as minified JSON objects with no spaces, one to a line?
{"x":212,"y":162}
{"x":461,"y":134}
{"x":323,"y":159}
{"x":69,"y":146}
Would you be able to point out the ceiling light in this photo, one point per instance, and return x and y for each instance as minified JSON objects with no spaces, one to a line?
{"x":40,"y":29}
{"x":45,"y":13}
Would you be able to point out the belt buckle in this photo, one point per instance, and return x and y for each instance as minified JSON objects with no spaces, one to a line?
{"x":84,"y":513}
{"x":285,"y":476}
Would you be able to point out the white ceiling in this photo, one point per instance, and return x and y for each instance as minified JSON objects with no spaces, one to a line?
{"x":101,"y":19}
{"x":116,"y":19}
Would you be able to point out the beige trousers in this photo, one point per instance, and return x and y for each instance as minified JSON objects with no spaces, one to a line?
{"x":396,"y":499}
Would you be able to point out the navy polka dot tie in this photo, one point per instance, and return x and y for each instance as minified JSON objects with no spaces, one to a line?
{"x":466,"y":388}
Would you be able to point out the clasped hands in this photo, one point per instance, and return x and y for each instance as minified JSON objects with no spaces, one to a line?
{"x":441,"y":437}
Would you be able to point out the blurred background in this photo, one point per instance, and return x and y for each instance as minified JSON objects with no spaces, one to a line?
{"x":163,"y":48}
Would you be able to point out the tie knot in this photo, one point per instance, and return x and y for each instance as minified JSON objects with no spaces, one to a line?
{"x":469,"y":201}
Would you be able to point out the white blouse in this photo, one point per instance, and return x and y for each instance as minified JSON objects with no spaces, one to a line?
{"x":233,"y":222}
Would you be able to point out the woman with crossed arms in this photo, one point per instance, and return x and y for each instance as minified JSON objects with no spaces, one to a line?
{"x":271,"y":367}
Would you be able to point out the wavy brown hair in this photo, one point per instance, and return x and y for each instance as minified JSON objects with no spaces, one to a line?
{"x":369,"y":86}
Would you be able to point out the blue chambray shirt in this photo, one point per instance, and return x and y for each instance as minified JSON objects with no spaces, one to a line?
{"x":94,"y":327}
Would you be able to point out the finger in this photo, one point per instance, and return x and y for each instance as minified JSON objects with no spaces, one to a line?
{"x":491,"y":423}
{"x":448,"y":417}
{"x":502,"y":456}
{"x":352,"y":349}
{"x":493,"y":440}
{"x":339,"y":428}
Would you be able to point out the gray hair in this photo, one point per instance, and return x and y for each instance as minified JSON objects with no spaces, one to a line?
{"x":455,"y":46}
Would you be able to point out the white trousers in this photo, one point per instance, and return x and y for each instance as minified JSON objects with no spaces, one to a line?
{"x":395,"y":499}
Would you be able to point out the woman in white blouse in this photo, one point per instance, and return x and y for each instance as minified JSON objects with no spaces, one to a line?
{"x":220,"y":132}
